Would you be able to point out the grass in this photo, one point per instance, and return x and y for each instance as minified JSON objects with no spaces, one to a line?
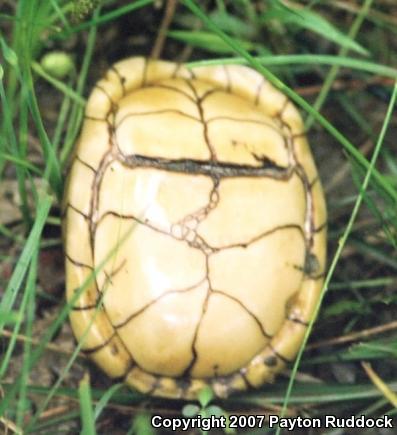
{"x":293,"y":46}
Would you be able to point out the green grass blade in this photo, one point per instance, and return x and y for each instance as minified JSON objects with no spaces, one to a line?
{"x":331,"y":76}
{"x":20,"y":317}
{"x":207,"y":41}
{"x":87,"y":414}
{"x":104,"y":400}
{"x":77,"y":111}
{"x":305,"y":59}
{"x":30,"y":293}
{"x":18,"y":275}
{"x":52,"y":164}
{"x":58,"y":84}
{"x":307,"y":19}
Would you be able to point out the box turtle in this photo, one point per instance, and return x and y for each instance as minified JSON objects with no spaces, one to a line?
{"x":194,"y":228}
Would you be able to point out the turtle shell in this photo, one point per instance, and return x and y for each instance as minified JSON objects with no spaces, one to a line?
{"x":194,"y":227}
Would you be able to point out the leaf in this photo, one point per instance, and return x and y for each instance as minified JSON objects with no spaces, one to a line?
{"x":207,"y":41}
{"x":307,"y":19}
{"x":142,"y":425}
{"x":18,"y":275}
{"x":8,"y":53}
{"x":233,"y":25}
{"x":87,"y":415}
{"x":345,"y":306}
{"x":215,"y":410}
{"x":103,"y":401}
{"x":205,"y":396}
{"x":190,"y":410}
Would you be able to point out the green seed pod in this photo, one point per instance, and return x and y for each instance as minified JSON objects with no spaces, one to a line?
{"x":57,"y":63}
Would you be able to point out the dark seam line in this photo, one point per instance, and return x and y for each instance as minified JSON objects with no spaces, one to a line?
{"x":282,"y":357}
{"x":84,"y":308}
{"x":202,"y":120}
{"x":195,"y":335}
{"x":297,"y":320}
{"x":93,"y":118}
{"x":149,"y":304}
{"x":245,"y":379}
{"x":122,"y":378}
{"x":321,"y":227}
{"x":315,"y":180}
{"x":210,"y":168}
{"x":155,"y":384}
{"x":77,"y":263}
{"x":93,"y":349}
{"x":106,"y":93}
{"x":253,"y":316}
{"x":79,"y":159}
{"x":314,"y":277}
{"x":131,"y":217}
{"x":244,"y":120}
{"x":69,"y":205}
{"x":156,"y":112}
{"x":121,"y":78}
{"x":212,"y":92}
{"x":265,"y":234}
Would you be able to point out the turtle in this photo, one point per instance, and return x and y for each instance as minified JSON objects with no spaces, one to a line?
{"x":194,"y":226}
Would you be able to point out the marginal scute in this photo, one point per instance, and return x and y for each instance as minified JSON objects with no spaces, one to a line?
{"x":81,"y":280}
{"x":302,"y":155}
{"x":305,"y":301}
{"x":319,"y":248}
{"x":292,"y":118}
{"x":115,"y":365}
{"x":270,"y":99}
{"x":178,"y":85}
{"x":132,"y":71}
{"x":263,"y":367}
{"x":92,"y":328}
{"x":289,"y":340}
{"x":320,"y":210}
{"x":141,"y":380}
{"x":195,"y":229}
{"x":94,"y":142}
{"x":229,"y":385}
{"x":214,"y":75}
{"x":77,"y":245}
{"x":78,"y":193}
{"x":104,"y":96}
{"x":159,"y":70}
{"x":245,"y":82}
